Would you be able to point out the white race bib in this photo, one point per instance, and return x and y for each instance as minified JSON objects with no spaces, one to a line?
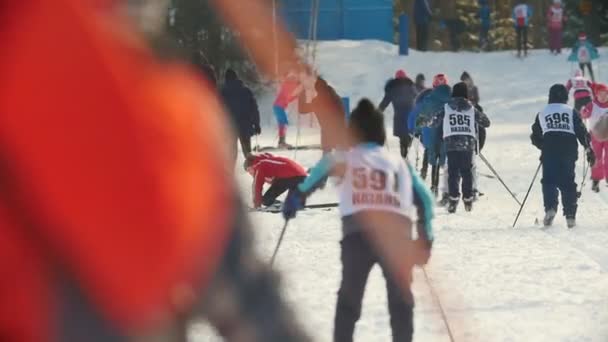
{"x":521,"y":11}
{"x":557,"y":117}
{"x":597,"y":113}
{"x":375,"y":180}
{"x":557,"y":14}
{"x":583,"y":55}
{"x":458,"y":123}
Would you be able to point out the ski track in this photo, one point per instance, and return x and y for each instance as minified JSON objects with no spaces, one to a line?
{"x":495,"y":282}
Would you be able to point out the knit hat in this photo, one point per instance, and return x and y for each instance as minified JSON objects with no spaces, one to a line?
{"x":400,"y":74}
{"x":420,"y":78}
{"x":460,"y":89}
{"x":582,"y":36}
{"x":558,"y":94}
{"x":440,"y":79}
{"x":465,"y":76}
{"x":600,"y":87}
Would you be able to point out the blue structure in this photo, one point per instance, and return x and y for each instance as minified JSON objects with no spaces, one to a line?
{"x":404,"y":35}
{"x":341,"y":19}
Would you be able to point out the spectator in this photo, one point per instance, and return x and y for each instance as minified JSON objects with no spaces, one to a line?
{"x":243,"y":109}
{"x":555,"y":25}
{"x":420,"y":86}
{"x":422,"y":17}
{"x":521,"y":15}
{"x":485,"y":19}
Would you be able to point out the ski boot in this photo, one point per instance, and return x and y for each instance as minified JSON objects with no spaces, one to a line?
{"x":423,"y":173}
{"x":468,"y":204}
{"x":571,"y":222}
{"x":549,"y":217}
{"x":435,"y":191}
{"x":595,"y":186}
{"x":283,"y":144}
{"x":445,"y":199}
{"x":452,"y":206}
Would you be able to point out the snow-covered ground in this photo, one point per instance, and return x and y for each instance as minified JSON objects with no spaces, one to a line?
{"x":496,"y":283}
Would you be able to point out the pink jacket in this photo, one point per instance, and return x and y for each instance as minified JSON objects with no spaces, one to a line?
{"x":287,"y":93}
{"x":582,"y":87}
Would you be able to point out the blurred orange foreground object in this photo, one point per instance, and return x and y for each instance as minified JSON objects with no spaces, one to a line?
{"x":110,"y":156}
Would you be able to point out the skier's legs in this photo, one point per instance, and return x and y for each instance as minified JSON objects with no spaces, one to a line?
{"x":278,"y":187}
{"x":550,"y":182}
{"x":405,"y":142}
{"x":425,"y":164}
{"x":281,"y":116}
{"x":357,"y":261}
{"x":466,"y":171}
{"x":590,"y":67}
{"x":525,"y":40}
{"x":582,"y":67}
{"x":245,"y":144}
{"x":400,"y":307}
{"x":598,"y":170}
{"x":567,"y":187}
{"x":518,"y":31}
{"x":454,"y":162}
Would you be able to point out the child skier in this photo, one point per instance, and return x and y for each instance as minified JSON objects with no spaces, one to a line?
{"x":458,"y":121}
{"x":555,"y":132}
{"x":582,"y":90}
{"x":288,"y":92}
{"x":376,"y":187}
{"x":282,"y":173}
{"x":595,"y":111}
{"x":584,"y":53}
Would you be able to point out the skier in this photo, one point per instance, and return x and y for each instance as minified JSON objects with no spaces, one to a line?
{"x":430,"y":104}
{"x":595,"y":111}
{"x":377,"y":194}
{"x":473,"y":92}
{"x":554,"y":132}
{"x":118,"y":237}
{"x":485,"y":17}
{"x":400,"y":91}
{"x":584,"y":53}
{"x":555,"y":25}
{"x":583,"y":90}
{"x":288,"y":91}
{"x":243,"y":109}
{"x":280,"y":172}
{"x":419,"y":83}
{"x":522,"y":13}
{"x":458,"y":121}
{"x":322,"y":102}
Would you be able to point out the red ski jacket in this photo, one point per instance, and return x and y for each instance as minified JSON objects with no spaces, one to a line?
{"x":267,"y":167}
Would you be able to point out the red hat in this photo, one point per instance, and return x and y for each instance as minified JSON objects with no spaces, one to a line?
{"x":582,"y":36}
{"x":439,"y":79}
{"x":400,"y":74}
{"x":600,"y":87}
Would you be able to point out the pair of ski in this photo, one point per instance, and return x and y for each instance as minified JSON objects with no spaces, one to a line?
{"x":288,"y":148}
{"x":276,"y":208}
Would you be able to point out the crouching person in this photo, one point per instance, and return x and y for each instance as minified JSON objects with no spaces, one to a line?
{"x":378,"y":192}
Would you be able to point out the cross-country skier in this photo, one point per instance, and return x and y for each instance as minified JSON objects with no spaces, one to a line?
{"x":427,"y":105}
{"x":324,"y":101}
{"x":401,"y":92}
{"x":289,"y":91}
{"x":243,"y":109}
{"x":595,"y":111}
{"x":458,"y":121}
{"x":583,"y":52}
{"x":583,"y":90}
{"x":376,"y":188}
{"x":555,"y":132}
{"x":522,"y":13}
{"x":281,"y":173}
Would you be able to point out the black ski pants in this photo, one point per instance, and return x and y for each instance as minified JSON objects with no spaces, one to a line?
{"x":589,"y":67}
{"x":278,"y":187}
{"x":460,"y":167}
{"x":405,"y":142}
{"x":522,"y":39}
{"x":358,"y":258}
{"x":245,"y":142}
{"x":558,"y":177}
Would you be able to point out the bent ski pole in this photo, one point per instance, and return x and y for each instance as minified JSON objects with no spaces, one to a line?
{"x":498,"y":177}
{"x":528,"y":193}
{"x":279,"y":242}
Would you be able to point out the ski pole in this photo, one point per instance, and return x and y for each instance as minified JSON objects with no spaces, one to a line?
{"x":498,"y":177}
{"x":528,"y":193}
{"x":585,"y":171}
{"x":279,"y":242}
{"x":444,"y":317}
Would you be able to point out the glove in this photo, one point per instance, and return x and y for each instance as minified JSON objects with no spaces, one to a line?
{"x":257,"y":130}
{"x":590,"y":156}
{"x":295,"y":201}
{"x":422,"y":252}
